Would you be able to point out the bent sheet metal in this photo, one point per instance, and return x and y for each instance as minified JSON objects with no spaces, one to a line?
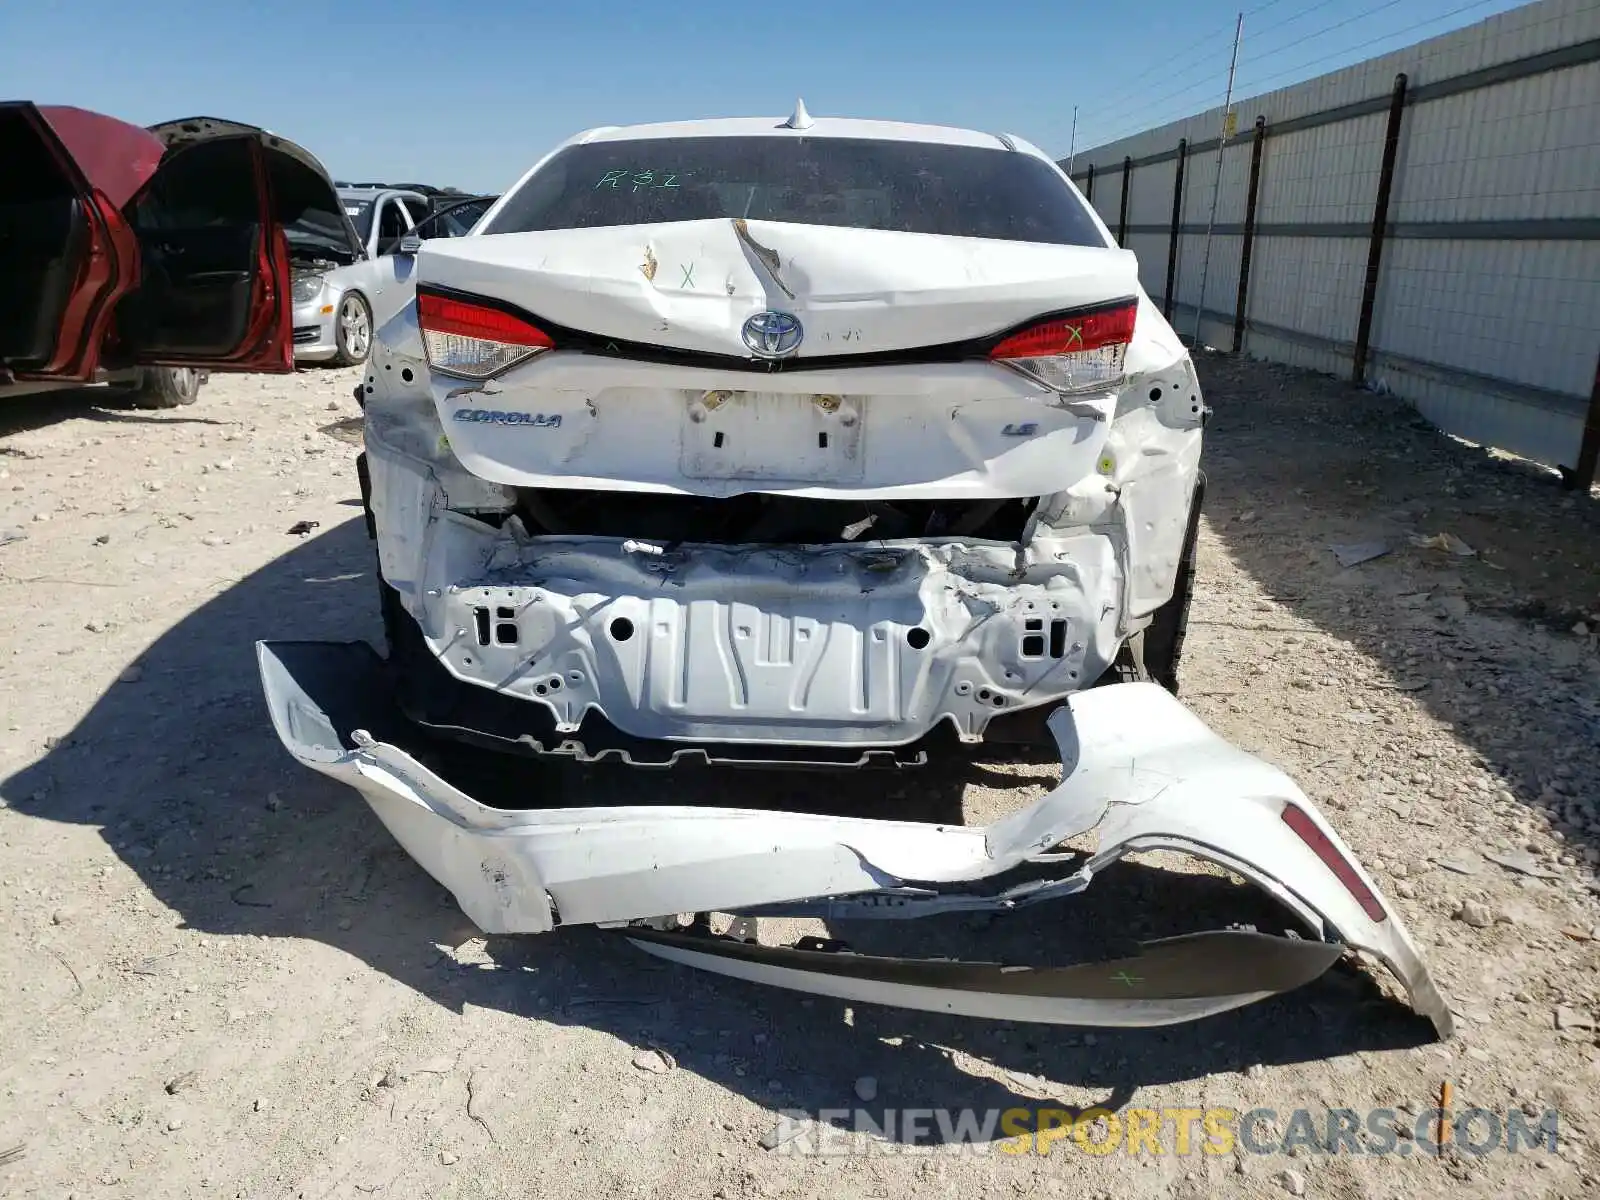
{"x":1138,"y":768}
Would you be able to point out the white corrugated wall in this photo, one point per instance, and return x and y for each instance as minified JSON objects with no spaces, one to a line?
{"x":1493,"y":339}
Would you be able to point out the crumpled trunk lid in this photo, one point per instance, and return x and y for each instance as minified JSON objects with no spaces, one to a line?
{"x":691,"y":285}
{"x":653,"y":387}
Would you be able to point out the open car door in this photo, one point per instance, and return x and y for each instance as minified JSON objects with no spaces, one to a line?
{"x":66,"y":254}
{"x":214,"y":259}
{"x":122,"y":246}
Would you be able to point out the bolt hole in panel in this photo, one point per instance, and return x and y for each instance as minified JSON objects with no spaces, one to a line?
{"x":621,"y":629}
{"x":773,"y":436}
{"x":918,"y":638}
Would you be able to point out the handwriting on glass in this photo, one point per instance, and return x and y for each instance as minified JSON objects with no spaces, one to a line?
{"x":637,"y":181}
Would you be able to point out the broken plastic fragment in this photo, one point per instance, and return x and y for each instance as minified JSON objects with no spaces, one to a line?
{"x":1448,"y":542}
{"x":1353,"y":554}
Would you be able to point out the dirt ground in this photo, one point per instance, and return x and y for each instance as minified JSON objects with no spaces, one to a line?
{"x":221,"y":977}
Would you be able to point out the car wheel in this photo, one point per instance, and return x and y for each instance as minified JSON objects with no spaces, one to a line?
{"x":352,"y":330}
{"x":167,"y":387}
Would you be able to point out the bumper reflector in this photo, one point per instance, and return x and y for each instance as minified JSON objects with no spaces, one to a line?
{"x":1308,"y":832}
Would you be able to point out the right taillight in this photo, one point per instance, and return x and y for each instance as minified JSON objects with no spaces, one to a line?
{"x":472,"y":340}
{"x":1073,"y":352}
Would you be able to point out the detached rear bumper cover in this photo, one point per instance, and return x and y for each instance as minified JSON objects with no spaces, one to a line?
{"x":1138,"y":768}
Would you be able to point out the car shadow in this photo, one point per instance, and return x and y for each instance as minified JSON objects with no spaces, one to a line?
{"x":181,"y":773}
{"x":39,"y":410}
{"x":1291,"y":450}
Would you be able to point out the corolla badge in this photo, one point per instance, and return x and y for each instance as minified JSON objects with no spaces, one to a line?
{"x":773,"y":334}
{"x":487,"y":416}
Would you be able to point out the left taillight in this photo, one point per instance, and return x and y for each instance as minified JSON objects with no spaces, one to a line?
{"x":1080,"y":351}
{"x":472,"y":340}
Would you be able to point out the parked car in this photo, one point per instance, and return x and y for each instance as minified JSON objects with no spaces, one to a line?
{"x":832,"y":443}
{"x":145,"y":258}
{"x":344,"y":289}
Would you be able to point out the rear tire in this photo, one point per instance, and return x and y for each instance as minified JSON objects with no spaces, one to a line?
{"x":390,"y":609}
{"x":166,"y":387}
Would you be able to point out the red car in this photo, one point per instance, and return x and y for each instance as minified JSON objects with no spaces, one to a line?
{"x":146,"y":257}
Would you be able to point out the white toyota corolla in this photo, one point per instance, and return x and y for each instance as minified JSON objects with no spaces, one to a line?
{"x":804,"y":442}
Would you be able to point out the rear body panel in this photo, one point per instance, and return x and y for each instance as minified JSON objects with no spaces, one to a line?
{"x":875,"y":641}
{"x":967,"y":430}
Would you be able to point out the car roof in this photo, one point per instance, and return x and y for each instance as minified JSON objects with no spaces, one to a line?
{"x":372,"y":193}
{"x":816,"y":127}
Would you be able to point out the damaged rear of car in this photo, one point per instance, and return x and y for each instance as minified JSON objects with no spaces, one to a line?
{"x":815,"y":443}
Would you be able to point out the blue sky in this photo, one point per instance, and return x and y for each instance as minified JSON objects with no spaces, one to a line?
{"x":471,"y":93}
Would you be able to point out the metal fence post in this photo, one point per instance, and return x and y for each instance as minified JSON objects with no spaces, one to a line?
{"x":1177,"y":222}
{"x":1583,"y":477}
{"x":1122,"y":219}
{"x":1380,"y":228}
{"x":1249,"y":234}
{"x":1088,"y":193}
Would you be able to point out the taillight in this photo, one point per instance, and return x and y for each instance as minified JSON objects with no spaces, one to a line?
{"x":1076,"y":352}
{"x":475,"y":341}
{"x":1322,"y":846}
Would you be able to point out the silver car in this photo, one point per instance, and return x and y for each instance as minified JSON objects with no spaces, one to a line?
{"x":349,"y":282}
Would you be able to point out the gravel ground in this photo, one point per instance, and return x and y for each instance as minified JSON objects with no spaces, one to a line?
{"x":223,"y":979}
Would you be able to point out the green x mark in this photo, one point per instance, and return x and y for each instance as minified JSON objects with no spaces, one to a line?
{"x":688,"y":276}
{"x":1076,"y":331}
{"x":1126,"y":980}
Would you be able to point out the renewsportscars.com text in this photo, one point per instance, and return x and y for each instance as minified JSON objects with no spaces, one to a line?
{"x":1162,"y":1131}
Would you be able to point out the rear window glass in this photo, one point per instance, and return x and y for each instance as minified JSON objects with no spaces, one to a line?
{"x":909,"y":187}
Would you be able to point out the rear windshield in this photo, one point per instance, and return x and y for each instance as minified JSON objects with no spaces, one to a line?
{"x":909,"y":187}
